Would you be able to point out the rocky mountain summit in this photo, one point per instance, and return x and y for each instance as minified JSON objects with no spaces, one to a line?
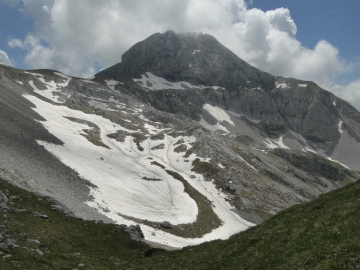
{"x":278,"y":105}
{"x":181,"y":137}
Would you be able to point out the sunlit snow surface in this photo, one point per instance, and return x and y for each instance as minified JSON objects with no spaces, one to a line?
{"x":112,"y":83}
{"x":118,"y":174}
{"x":282,"y":85}
{"x":153,"y":82}
{"x":51,"y":86}
{"x":218,"y":113}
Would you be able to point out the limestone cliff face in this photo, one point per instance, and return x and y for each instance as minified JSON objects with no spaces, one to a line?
{"x":280,"y":104}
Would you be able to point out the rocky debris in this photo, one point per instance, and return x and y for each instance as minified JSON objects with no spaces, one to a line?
{"x":37,"y":214}
{"x":166,"y":225}
{"x":38,"y":251}
{"x":157,"y":147}
{"x":8,"y":244}
{"x":135,"y":232}
{"x":33,"y":241}
{"x":314,"y":163}
{"x":15,"y":198}
{"x":3,"y":200}
{"x":19,"y":210}
{"x":181,"y":148}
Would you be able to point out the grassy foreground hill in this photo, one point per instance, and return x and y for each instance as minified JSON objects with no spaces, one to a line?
{"x":322,"y":234}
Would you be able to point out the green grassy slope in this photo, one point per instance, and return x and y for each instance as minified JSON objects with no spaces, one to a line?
{"x":322,"y":234}
{"x":66,"y":242}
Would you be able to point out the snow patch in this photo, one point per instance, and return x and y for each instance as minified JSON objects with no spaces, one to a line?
{"x":62,"y":75}
{"x":339,"y":127}
{"x":20,"y":82}
{"x":272,"y":143}
{"x":196,"y":51}
{"x":238,"y":115}
{"x":329,"y":158}
{"x":152,"y":82}
{"x":51,"y":88}
{"x":250,"y":166}
{"x":282,"y":85}
{"x":87,"y":81}
{"x":212,"y":127}
{"x":35,"y":74}
{"x":218,"y":113}
{"x":334,"y":103}
{"x":112,"y":83}
{"x":302,"y":85}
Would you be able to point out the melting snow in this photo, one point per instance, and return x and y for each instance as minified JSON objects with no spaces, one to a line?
{"x":35,"y":74}
{"x":152,"y":82}
{"x":250,"y":166}
{"x":272,"y":143}
{"x":87,"y":81}
{"x":62,"y":75}
{"x":118,"y":173}
{"x":339,"y":126}
{"x":238,"y":115}
{"x":282,"y":85}
{"x":20,"y":82}
{"x":334,"y":103}
{"x":51,"y":88}
{"x":218,"y":113}
{"x":112,"y":83}
{"x":196,"y":51}
{"x":212,"y":127}
{"x":329,"y":158}
{"x":302,"y":85}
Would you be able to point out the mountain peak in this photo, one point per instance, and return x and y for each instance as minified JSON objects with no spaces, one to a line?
{"x":193,"y":57}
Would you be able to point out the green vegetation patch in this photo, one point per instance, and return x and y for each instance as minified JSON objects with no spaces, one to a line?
{"x":66,"y":242}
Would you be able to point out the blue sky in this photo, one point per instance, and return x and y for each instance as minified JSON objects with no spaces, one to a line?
{"x":310,"y":40}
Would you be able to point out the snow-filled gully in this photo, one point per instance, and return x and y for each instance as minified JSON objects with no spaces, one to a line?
{"x":120,"y":172}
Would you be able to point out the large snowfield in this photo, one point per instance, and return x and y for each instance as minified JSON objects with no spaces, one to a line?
{"x":121,"y":171}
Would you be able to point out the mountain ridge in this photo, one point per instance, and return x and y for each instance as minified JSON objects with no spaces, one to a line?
{"x":312,"y":112}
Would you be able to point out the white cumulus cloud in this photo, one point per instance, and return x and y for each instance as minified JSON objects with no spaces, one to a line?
{"x":350,"y":92}
{"x":4,"y":59}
